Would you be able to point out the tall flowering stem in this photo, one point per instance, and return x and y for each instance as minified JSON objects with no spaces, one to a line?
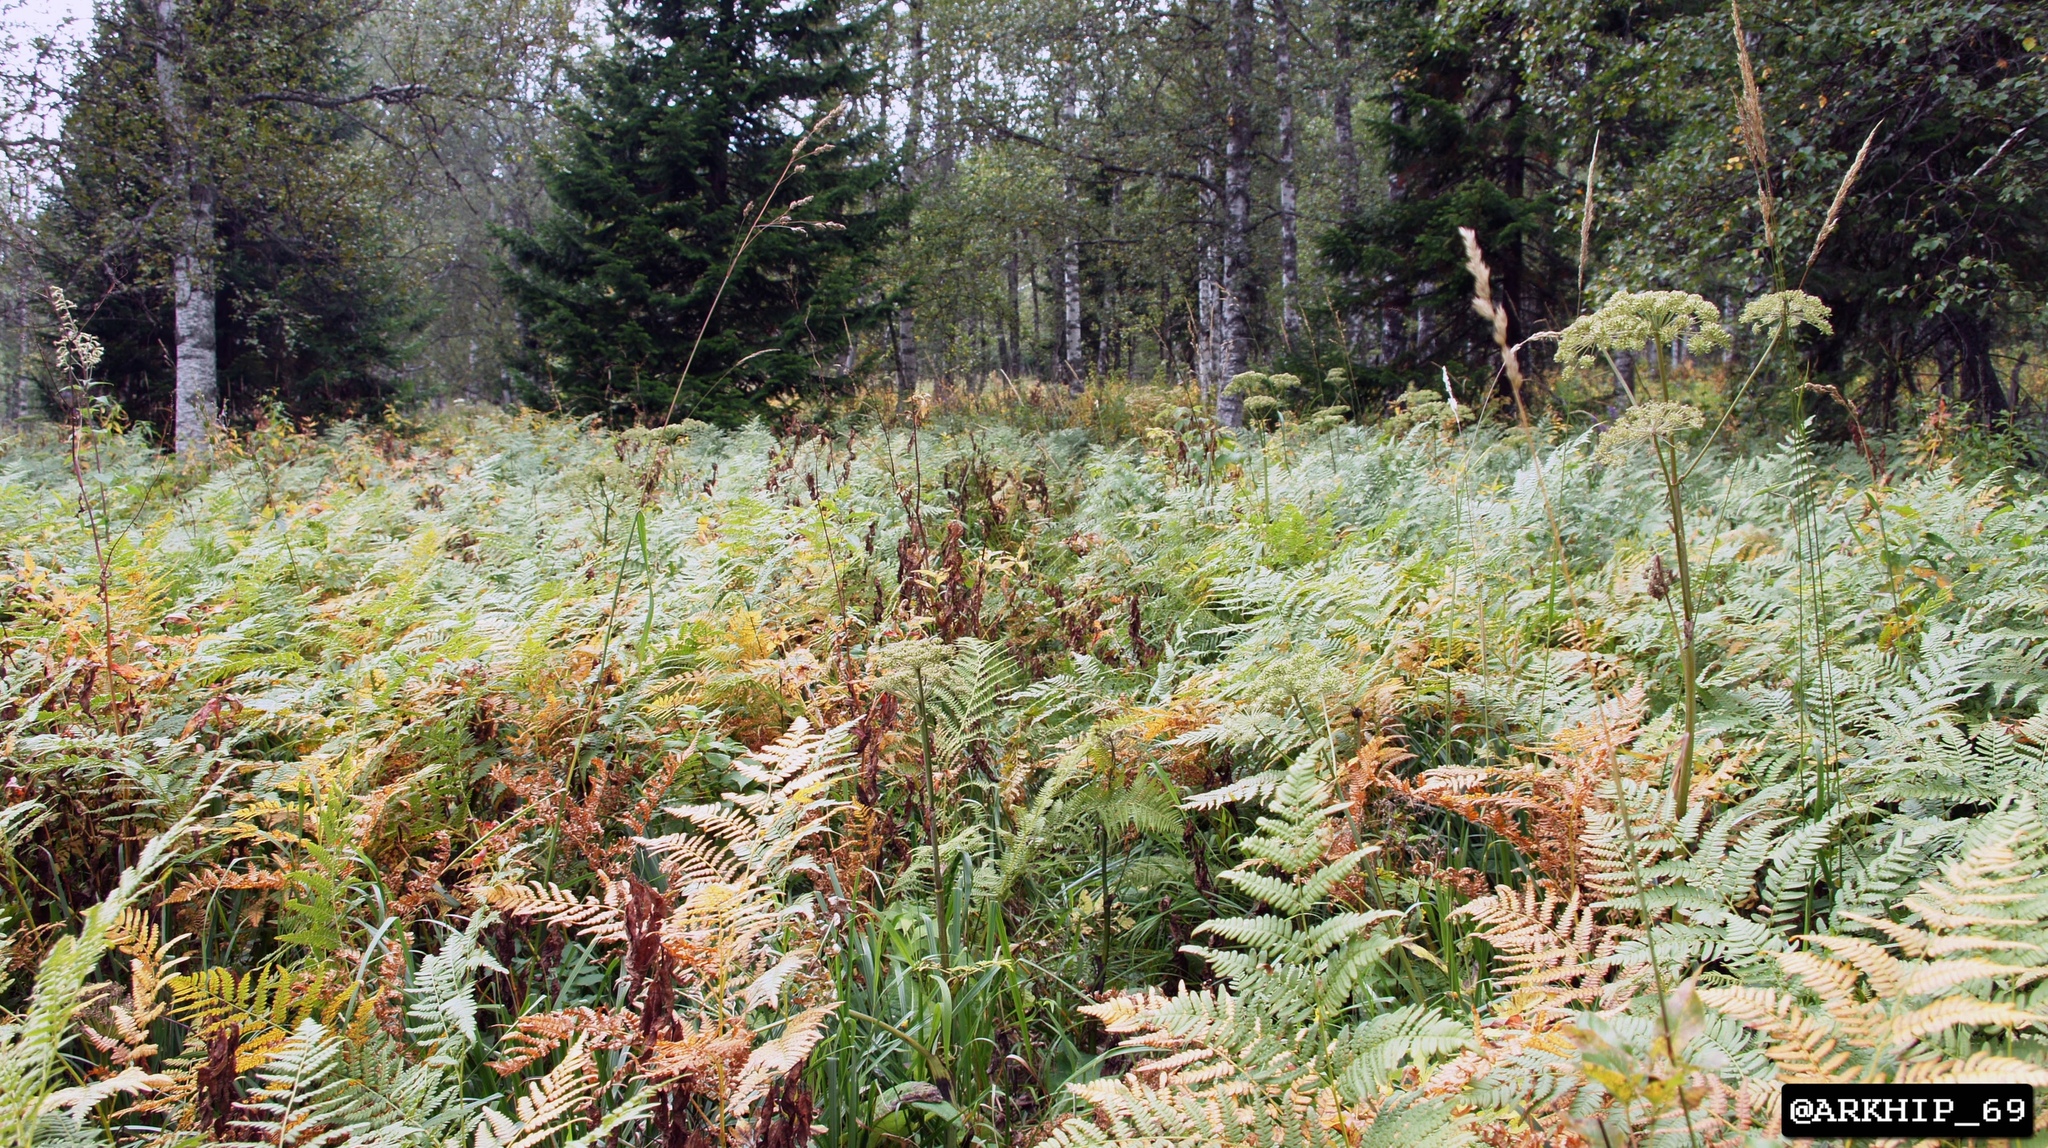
{"x":1661,"y":322}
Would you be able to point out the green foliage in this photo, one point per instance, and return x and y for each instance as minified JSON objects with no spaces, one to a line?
{"x":1939,"y":245}
{"x":1326,"y":958}
{"x":1460,"y":142}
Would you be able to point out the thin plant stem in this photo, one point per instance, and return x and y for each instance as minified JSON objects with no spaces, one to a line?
{"x":1681,"y":781}
{"x":1635,"y":869}
{"x":758,"y":225}
{"x":931,"y":825}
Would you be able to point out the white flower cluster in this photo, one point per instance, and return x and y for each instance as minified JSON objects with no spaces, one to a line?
{"x":1792,"y":308}
{"x":1645,"y":422}
{"x":1629,"y":320}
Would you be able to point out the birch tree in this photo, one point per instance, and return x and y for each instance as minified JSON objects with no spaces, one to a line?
{"x":189,"y":200}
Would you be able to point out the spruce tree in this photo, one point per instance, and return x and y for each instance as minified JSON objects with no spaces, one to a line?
{"x":1462,"y":146}
{"x":679,"y":134}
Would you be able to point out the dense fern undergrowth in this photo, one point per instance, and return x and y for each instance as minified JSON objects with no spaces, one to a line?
{"x":939,"y":778}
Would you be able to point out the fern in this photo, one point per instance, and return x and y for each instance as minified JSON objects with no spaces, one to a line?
{"x":30,"y":1048}
{"x":552,"y":1106}
{"x":1234,"y":1075}
{"x":511,"y":692}
{"x":326,"y":1088}
{"x":1864,"y":1012}
{"x":1299,"y":954}
{"x":1282,"y":1057}
{"x":441,"y":1009}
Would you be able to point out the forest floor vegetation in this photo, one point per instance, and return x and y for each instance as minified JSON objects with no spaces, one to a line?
{"x":1013,"y":769}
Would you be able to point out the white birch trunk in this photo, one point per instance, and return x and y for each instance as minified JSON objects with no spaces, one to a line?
{"x":913,"y":147}
{"x":193,"y":272}
{"x":1070,"y":290}
{"x":1208,"y":297}
{"x":192,"y":286}
{"x":906,"y":352}
{"x":1347,"y":160}
{"x":1237,"y":208}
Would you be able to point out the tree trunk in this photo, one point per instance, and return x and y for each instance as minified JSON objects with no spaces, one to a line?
{"x":1070,"y":296}
{"x":192,"y":288}
{"x":1209,"y":337}
{"x":193,"y":272}
{"x":1290,"y":254}
{"x":1347,"y":160}
{"x":1509,"y":275}
{"x":1070,"y":257}
{"x":1340,"y":123}
{"x":1013,"y":363}
{"x":913,"y":143}
{"x":21,"y":383}
{"x":1977,"y":381}
{"x":906,"y":352}
{"x":1237,"y":207}
{"x":1208,"y":295}
{"x":1037,"y":362}
{"x":1394,"y":310}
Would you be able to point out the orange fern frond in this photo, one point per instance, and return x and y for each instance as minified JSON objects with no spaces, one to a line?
{"x":599,"y":920}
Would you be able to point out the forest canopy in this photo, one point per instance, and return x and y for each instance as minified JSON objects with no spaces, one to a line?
{"x":529,"y":201}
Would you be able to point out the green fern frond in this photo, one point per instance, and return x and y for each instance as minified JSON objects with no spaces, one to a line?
{"x":30,"y":1048}
{"x":441,"y":1003}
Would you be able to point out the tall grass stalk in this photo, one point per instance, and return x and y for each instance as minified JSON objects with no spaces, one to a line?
{"x":758,"y":224}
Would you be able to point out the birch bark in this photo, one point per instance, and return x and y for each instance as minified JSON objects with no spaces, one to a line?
{"x":194,"y":278}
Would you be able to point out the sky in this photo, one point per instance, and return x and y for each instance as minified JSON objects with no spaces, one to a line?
{"x":22,"y":22}
{"x":46,"y":17}
{"x":25,"y":20}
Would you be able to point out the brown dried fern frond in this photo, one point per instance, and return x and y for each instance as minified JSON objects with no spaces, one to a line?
{"x":1804,"y":1048}
{"x":1978,"y":1068}
{"x":602,"y":920}
{"x":1921,"y":943}
{"x":535,"y":1037}
{"x":1542,"y":808}
{"x":215,"y":879}
{"x":706,"y":956}
{"x":118,"y":1024}
{"x":1996,"y":884}
{"x":691,"y":861}
{"x":552,"y":1105}
{"x":700,"y":1061}
{"x":1877,"y":1014}
{"x":1553,"y":945}
{"x":776,"y":1059}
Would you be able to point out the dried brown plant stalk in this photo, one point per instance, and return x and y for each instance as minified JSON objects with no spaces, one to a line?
{"x":1495,"y":313}
{"x":1586,"y":218}
{"x":1834,"y":217}
{"x":1749,"y":114}
{"x":759,"y":224}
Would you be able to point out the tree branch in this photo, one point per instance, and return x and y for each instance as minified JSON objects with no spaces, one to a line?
{"x":1002,"y":132}
{"x":401,"y":94}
